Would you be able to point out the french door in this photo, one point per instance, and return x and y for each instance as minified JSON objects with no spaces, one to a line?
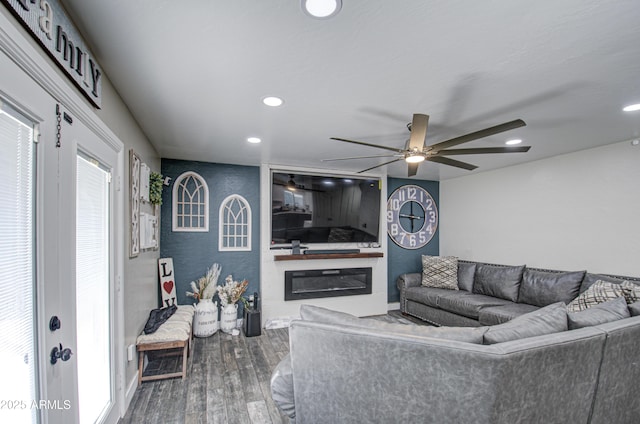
{"x":58,"y":259}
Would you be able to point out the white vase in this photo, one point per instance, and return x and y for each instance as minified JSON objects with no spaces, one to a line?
{"x":229,"y":317}
{"x":205,"y":320}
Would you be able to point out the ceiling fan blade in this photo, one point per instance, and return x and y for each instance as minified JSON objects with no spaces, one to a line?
{"x":412,"y":169}
{"x":378,"y":166}
{"x":359,"y":157}
{"x":452,"y":162}
{"x":482,"y":150}
{"x":418,"y":131}
{"x":393,"y":149}
{"x":477,"y":135}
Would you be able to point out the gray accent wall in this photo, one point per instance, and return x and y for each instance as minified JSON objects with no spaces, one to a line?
{"x":401,"y":261}
{"x":194,"y":252}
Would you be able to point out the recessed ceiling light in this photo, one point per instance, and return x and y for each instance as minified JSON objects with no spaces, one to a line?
{"x":254,"y":140}
{"x":513,"y":141}
{"x":272,"y":101}
{"x":632,"y":108}
{"x":321,"y":9}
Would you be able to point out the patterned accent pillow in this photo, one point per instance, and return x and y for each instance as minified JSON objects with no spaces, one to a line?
{"x":599,"y":292}
{"x":630,"y":291}
{"x":440,"y":272}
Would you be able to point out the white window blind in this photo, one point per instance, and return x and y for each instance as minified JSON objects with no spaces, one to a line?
{"x":17,"y":266}
{"x":92,"y":288}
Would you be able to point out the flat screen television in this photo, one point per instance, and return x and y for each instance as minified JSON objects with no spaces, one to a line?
{"x":324,"y":209}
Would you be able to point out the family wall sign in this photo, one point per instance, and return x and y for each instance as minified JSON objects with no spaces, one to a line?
{"x":50,"y":25}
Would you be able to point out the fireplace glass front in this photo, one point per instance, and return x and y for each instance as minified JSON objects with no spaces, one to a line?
{"x":315,"y":283}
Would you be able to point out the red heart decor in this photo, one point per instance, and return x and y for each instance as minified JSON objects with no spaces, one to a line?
{"x":168,"y":286}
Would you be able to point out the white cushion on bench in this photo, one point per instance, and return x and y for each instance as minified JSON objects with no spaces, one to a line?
{"x":176,"y":328}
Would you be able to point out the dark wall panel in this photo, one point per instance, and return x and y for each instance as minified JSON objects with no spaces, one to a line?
{"x":401,"y":260}
{"x":194,"y":252}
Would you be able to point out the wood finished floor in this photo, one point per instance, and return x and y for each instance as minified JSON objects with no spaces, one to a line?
{"x":227,"y":382}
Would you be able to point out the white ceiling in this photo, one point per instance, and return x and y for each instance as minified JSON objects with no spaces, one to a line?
{"x":193,"y":74}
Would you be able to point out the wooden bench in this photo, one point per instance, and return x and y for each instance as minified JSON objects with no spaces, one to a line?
{"x":173,"y":337}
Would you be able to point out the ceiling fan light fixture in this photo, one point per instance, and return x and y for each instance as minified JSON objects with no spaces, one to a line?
{"x":513,"y":142}
{"x":414,"y":159}
{"x":631,"y":108}
{"x":321,"y":9}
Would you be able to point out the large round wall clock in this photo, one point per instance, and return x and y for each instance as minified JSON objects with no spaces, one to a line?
{"x":412,"y":217}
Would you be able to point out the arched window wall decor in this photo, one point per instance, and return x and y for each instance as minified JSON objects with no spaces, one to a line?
{"x":190,"y":203}
{"x":235,"y":224}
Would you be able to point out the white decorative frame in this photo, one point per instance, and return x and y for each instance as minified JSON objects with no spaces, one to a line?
{"x":234,"y":223}
{"x":134,"y":204}
{"x":199,"y":199}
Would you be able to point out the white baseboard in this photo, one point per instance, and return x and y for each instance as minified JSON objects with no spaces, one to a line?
{"x":393,"y":306}
{"x":131,"y":390}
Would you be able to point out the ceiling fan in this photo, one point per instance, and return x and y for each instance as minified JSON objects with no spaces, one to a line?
{"x":417,"y":151}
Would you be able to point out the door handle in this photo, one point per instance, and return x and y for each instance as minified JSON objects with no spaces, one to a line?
{"x":54,"y":323}
{"x":61,"y":353}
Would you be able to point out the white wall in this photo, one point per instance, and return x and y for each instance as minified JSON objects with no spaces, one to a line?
{"x":140,"y":285}
{"x":572,"y":212}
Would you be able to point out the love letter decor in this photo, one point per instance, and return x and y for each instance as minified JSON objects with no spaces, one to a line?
{"x":167,"y":281}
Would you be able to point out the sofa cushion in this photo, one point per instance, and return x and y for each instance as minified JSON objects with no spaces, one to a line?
{"x":547,"y":320}
{"x":323,"y":315}
{"x":466,"y":273}
{"x":493,"y":315}
{"x":601,"y":291}
{"x":634,"y":309}
{"x":542,"y":288}
{"x":590,"y":279}
{"x":429,"y":295}
{"x":498,"y":281}
{"x":601,"y":313}
{"x":468,"y":304}
{"x":282,"y":387}
{"x":440,"y":272}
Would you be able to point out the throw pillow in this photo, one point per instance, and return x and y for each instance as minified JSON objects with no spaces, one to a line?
{"x":634,"y":309}
{"x":461,"y":334}
{"x":542,"y":288}
{"x":547,"y":320}
{"x":630,"y":291}
{"x":440,"y":272}
{"x":599,"y":292}
{"x":601,"y":313}
{"x":499,"y":281}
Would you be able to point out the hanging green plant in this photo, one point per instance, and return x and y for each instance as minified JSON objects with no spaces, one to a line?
{"x":156,"y":181}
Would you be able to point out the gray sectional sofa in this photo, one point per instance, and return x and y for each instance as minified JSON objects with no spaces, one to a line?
{"x":344,"y":371}
{"x":525,"y":366}
{"x":491,"y":294}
